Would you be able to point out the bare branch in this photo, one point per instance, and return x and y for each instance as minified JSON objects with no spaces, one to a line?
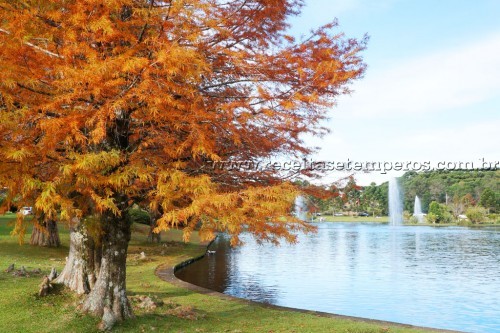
{"x":36,"y":47}
{"x":20,"y":85}
{"x":52,"y":54}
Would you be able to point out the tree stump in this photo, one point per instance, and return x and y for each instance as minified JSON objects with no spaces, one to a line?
{"x":45,"y":287}
{"x":10,"y":269}
{"x":53,"y":274}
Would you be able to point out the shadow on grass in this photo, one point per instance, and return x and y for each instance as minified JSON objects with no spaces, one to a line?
{"x":161,"y":294}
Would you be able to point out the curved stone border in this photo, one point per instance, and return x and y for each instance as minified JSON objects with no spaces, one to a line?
{"x":167,"y":273}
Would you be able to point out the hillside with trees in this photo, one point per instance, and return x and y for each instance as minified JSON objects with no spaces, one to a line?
{"x":467,"y":188}
{"x":445,"y":194}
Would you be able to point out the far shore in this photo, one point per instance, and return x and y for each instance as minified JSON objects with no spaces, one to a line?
{"x":385,"y":219}
{"x":346,"y":218}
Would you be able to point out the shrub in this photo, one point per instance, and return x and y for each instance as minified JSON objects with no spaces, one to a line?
{"x":413,"y":220}
{"x":139,"y":216}
{"x":440,"y":213}
{"x":476,"y":214}
{"x":464,"y":223}
{"x":407,"y":216}
{"x":495,"y":218}
{"x":431,"y":218}
{"x":446,"y":217}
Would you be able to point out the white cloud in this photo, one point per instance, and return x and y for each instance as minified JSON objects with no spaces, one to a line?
{"x":435,"y":106}
{"x":444,"y":80}
{"x":467,"y":143}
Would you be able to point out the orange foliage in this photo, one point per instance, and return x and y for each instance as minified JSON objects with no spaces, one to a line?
{"x":106,"y":103}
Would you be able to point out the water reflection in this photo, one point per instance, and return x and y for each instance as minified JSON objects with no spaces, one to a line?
{"x":438,"y":277}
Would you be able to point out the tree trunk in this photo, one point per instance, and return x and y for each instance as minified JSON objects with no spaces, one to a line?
{"x":108,"y":298}
{"x":153,"y":237}
{"x":94,"y":256}
{"x":82,"y":265}
{"x":45,"y":234}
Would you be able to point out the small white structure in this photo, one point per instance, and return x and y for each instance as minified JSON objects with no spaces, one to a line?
{"x":26,"y":210}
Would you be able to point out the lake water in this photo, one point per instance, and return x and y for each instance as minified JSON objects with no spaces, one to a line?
{"x":447,"y":277}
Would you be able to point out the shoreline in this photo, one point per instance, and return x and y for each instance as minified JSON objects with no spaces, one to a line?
{"x":384,"y":221}
{"x":166,"y":272}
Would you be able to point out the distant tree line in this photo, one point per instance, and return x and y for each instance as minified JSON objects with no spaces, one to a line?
{"x":444,"y":194}
{"x":456,"y":189}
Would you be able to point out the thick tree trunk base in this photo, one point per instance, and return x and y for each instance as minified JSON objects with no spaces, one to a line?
{"x":45,"y":235}
{"x":108,"y":297}
{"x":75,"y":274}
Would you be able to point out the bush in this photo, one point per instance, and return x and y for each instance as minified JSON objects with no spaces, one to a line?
{"x":495,"y":218}
{"x":431,"y":218}
{"x":476,"y":214}
{"x":139,"y":216}
{"x":413,"y":220}
{"x":446,"y":217}
{"x":407,"y":216}
{"x":440,"y":213}
{"x":464,"y":223}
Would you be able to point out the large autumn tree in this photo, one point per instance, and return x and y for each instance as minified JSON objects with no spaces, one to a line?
{"x":109,"y":103}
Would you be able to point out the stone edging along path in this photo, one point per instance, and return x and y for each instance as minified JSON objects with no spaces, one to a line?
{"x":167,"y":273}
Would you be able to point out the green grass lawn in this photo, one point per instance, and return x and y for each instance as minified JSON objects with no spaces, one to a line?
{"x":21,"y":310}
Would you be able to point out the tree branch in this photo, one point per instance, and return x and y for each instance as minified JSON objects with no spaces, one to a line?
{"x":20,"y":85}
{"x":36,"y":47}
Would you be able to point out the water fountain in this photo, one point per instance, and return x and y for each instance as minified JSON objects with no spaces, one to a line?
{"x":301,"y":208}
{"x":395,"y":203}
{"x":417,"y":210}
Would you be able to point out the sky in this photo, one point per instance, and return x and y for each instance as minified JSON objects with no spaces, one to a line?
{"x":431,"y":92}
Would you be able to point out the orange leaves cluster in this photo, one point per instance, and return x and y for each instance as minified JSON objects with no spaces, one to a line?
{"x":118,"y":101}
{"x":263,"y":211}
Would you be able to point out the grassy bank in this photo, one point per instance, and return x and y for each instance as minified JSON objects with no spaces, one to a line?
{"x":185,"y":311}
{"x":382,"y":219}
{"x":385,"y":219}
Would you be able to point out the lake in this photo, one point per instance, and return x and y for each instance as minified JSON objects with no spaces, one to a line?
{"x":442,"y":277}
